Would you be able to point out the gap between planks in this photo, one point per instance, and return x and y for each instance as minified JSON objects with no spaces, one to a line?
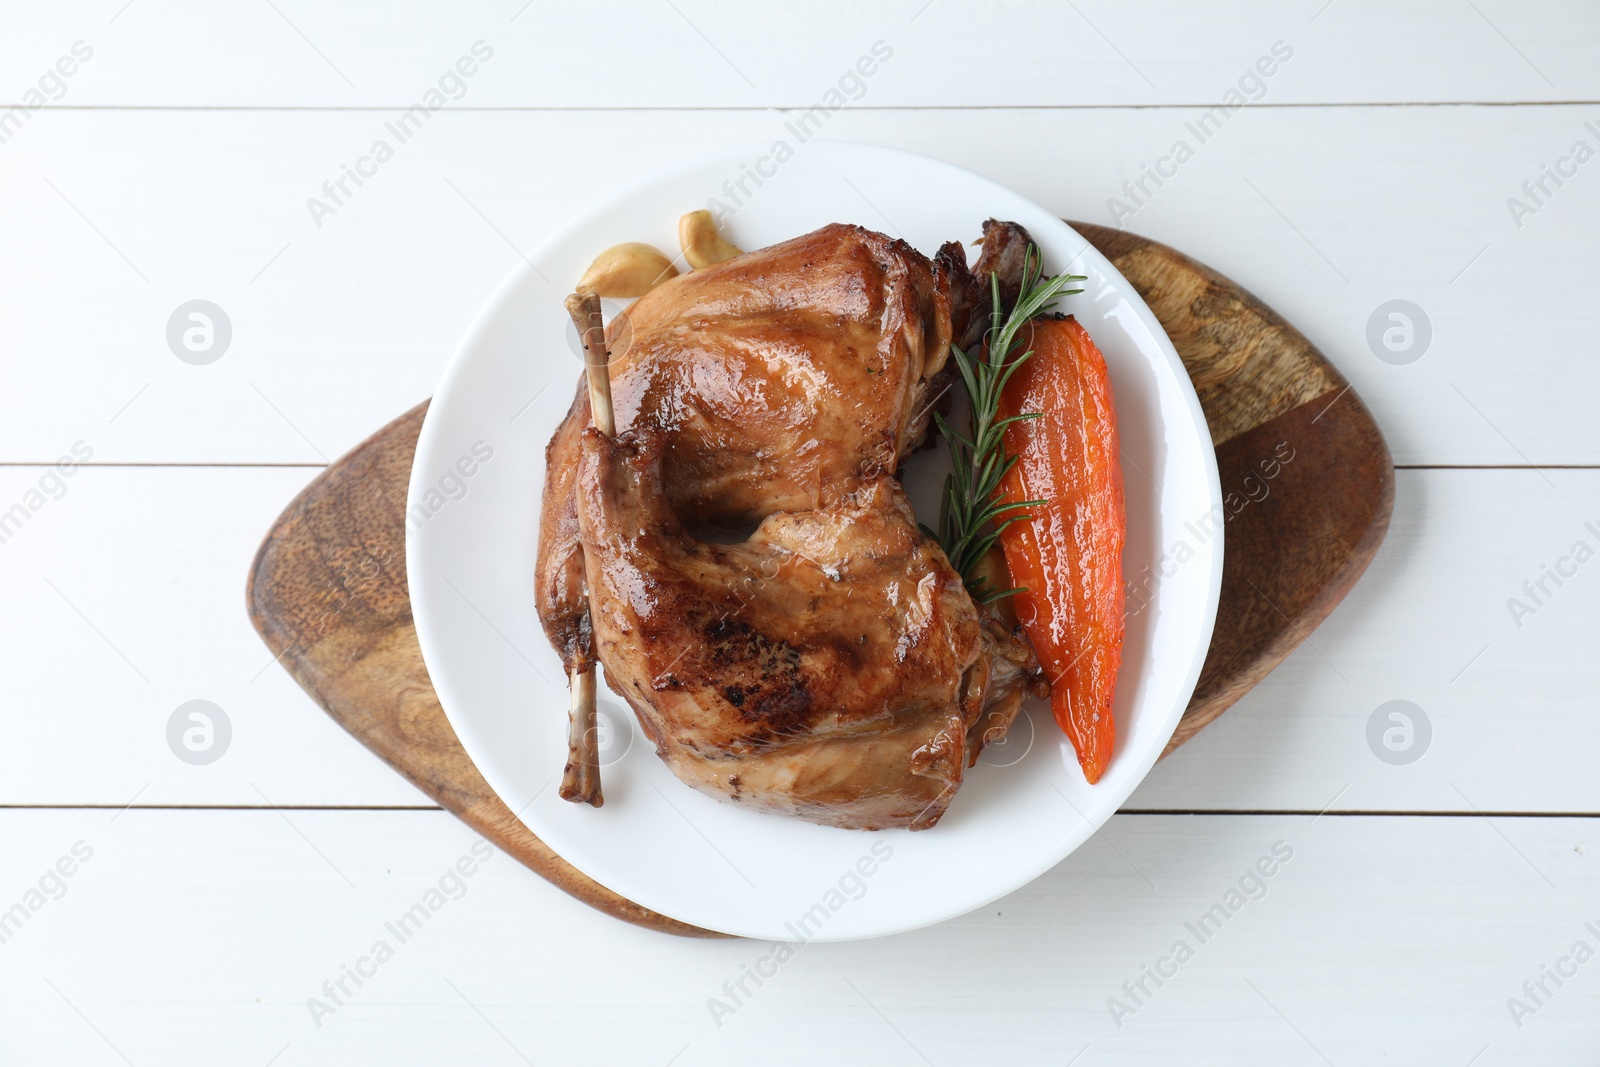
{"x":324,"y":466}
{"x":1374,"y":813}
{"x":756,"y":108}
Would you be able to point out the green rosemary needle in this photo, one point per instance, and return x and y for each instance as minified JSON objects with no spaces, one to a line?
{"x":972,"y":514}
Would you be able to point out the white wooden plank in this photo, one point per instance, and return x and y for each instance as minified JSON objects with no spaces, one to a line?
{"x":1507,"y":690}
{"x":155,"y":559}
{"x":197,"y":937}
{"x":120,"y":217}
{"x":124,"y":600}
{"x":716,"y":53}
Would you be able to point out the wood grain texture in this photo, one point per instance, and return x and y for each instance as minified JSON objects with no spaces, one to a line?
{"x":1300,"y":537}
{"x":328,"y":594}
{"x":327,"y":591}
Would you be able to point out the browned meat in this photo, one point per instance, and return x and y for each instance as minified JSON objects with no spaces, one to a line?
{"x":558,"y":569}
{"x":781,"y":379}
{"x":831,"y":666}
{"x":812,"y":670}
{"x":971,"y":292}
{"x":1007,"y":670}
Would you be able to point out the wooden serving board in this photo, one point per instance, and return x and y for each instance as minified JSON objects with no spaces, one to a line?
{"x":1306,"y":477}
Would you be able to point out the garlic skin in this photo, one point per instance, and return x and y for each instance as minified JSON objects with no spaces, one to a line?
{"x":626,"y":270}
{"x":702,"y":245}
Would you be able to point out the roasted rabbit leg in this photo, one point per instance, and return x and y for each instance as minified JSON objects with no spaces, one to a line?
{"x":786,"y":387}
{"x":815,"y":669}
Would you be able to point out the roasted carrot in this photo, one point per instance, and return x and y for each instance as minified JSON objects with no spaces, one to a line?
{"x":1067,"y":555}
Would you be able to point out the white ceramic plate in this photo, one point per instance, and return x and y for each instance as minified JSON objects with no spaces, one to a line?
{"x":470,"y":555}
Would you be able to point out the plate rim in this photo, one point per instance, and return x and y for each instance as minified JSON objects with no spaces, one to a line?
{"x":417,"y":576}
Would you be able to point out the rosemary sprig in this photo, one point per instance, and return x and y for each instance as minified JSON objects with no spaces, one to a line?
{"x":972,"y":515}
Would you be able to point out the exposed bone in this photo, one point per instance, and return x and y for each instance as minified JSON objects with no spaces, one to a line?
{"x":1005,"y":247}
{"x":580,"y":778}
{"x":586,"y":317}
{"x":1005,"y":250}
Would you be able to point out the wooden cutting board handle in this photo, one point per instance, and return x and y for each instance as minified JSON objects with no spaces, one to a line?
{"x":1306,"y":478}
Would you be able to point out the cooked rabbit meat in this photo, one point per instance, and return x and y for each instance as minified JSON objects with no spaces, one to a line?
{"x":832,"y":666}
{"x":780,"y":378}
{"x":812,"y":670}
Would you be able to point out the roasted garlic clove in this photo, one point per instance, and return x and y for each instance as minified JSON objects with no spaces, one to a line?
{"x":702,"y":246}
{"x":626,"y":270}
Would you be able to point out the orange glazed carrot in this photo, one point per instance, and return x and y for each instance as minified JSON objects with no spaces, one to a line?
{"x":1068,"y":555}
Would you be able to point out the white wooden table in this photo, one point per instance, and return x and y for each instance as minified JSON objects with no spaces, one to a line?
{"x":1430,"y":911}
